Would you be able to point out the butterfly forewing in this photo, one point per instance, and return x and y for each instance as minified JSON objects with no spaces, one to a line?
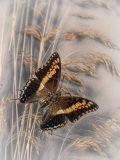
{"x":49,"y":75}
{"x":29,"y":89}
{"x":46,"y":80}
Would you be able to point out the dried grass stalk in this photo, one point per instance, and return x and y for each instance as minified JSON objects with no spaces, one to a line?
{"x":73,"y":78}
{"x":32,"y":117}
{"x":3,"y":103}
{"x":88,"y":32}
{"x":37,"y":10}
{"x":27,"y":59}
{"x":2,"y":118}
{"x":97,"y":57}
{"x":102,"y":134}
{"x":101,"y":3}
{"x":52,"y":33}
{"x":36,"y":142}
{"x":113,"y":123}
{"x":31,"y":140}
{"x":34,"y":31}
{"x":89,"y":143}
{"x":78,"y":66}
{"x":90,"y":67}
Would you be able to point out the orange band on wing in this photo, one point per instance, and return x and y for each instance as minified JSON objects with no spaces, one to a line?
{"x":50,"y":74}
{"x":74,"y":107}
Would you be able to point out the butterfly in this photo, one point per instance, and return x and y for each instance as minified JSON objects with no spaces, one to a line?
{"x":59,"y":109}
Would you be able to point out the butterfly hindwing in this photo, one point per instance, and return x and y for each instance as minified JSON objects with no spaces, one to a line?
{"x":50,"y":121}
{"x":67,"y":108}
{"x":75,"y":107}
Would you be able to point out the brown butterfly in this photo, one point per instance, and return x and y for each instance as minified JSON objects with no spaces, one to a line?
{"x":60,"y":108}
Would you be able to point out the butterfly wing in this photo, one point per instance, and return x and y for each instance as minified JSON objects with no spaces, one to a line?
{"x":51,"y":121}
{"x":49,"y":75}
{"x":47,"y":79}
{"x":54,"y":122}
{"x":69,"y":107}
{"x":75,"y":107}
{"x":29,"y":89}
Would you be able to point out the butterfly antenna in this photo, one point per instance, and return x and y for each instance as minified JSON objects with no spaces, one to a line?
{"x":14,"y":99}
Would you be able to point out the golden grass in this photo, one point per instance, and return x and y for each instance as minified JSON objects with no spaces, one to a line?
{"x":102,"y":134}
{"x":72,"y":77}
{"x":3,"y":103}
{"x":113,"y":124}
{"x":90,"y":66}
{"x":30,"y":141}
{"x":84,"y":31}
{"x":2,"y":118}
{"x":81,"y":32}
{"x":101,"y":3}
{"x":89,"y":143}
{"x":101,"y":58}
{"x":36,"y":33}
{"x":102,"y":137}
{"x":78,"y":66}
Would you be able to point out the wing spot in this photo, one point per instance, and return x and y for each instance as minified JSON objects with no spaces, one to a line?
{"x":58,"y":60}
{"x":84,"y":102}
{"x":56,"y":67}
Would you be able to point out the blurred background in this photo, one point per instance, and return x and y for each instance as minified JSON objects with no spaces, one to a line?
{"x":86,"y":34}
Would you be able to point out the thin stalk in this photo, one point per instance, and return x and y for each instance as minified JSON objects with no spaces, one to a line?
{"x":43,"y":34}
{"x":59,"y":154}
{"x":2,"y":39}
{"x":60,"y":26}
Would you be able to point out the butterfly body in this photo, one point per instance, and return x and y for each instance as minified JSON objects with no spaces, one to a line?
{"x":59,"y":109}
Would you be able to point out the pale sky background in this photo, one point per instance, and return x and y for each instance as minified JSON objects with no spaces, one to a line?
{"x":104,"y":18}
